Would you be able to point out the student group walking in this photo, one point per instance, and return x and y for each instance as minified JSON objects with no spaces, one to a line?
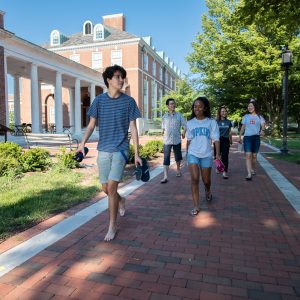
{"x":115,"y":113}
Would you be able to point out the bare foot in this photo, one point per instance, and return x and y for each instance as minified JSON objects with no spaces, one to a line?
{"x":111,"y":233}
{"x":122,"y":207}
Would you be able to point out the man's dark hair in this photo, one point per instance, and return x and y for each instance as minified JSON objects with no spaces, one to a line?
{"x":110,"y":71}
{"x":170,"y":99}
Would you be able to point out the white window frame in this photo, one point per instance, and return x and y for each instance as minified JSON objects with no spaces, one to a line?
{"x":116,"y":57}
{"x":145,"y":61}
{"x":98,"y":29}
{"x":154,"y":103}
{"x":97,"y":60}
{"x":166,"y":78}
{"x":160,"y":95}
{"x":84,"y":25}
{"x":160,"y":73}
{"x":55,"y":38}
{"x":75,"y":57}
{"x":154,"y":68}
{"x":145,"y":99}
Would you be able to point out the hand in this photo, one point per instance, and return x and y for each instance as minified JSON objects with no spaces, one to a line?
{"x":262,"y":132}
{"x":80,"y":149}
{"x":218,"y":156}
{"x":240,"y":140}
{"x":183,"y":135}
{"x":138,"y":160}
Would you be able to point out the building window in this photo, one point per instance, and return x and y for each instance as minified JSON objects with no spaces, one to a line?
{"x":88,"y":28}
{"x":154,"y":68}
{"x":116,"y":57}
{"x":154,"y":103}
{"x":98,"y":32}
{"x":160,"y":73}
{"x":97,"y":60}
{"x":145,"y":100}
{"x":160,"y":95}
{"x":55,"y":38}
{"x":145,"y":61}
{"x":75,"y":57}
{"x":166,"y":78}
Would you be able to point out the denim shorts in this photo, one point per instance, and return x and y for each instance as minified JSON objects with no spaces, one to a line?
{"x":251,"y":143}
{"x":204,"y":162}
{"x":167,"y":153}
{"x":111,"y":166}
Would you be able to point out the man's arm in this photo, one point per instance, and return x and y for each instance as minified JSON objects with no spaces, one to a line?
{"x":89,"y":130}
{"x":135,"y":138}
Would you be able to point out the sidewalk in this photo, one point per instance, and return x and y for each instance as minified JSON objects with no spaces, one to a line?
{"x":243,"y":245}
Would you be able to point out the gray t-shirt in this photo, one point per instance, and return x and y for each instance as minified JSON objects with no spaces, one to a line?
{"x":252,"y":124}
{"x":113,"y":116}
{"x":224,"y":127}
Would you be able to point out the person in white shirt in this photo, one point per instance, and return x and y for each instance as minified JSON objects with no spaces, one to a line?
{"x":201,"y":131}
{"x":253,"y":127}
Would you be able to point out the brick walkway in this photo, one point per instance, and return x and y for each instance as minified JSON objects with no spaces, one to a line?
{"x":244,"y":245}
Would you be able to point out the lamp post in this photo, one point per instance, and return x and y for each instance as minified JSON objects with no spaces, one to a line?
{"x":287,"y":57}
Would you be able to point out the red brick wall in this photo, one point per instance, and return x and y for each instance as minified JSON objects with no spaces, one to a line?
{"x":2,"y":89}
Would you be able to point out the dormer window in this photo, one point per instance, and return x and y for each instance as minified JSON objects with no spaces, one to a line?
{"x":87,"y":28}
{"x":55,"y":38}
{"x":98,"y":32}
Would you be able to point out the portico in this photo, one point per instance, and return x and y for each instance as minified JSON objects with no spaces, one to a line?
{"x":25,"y":60}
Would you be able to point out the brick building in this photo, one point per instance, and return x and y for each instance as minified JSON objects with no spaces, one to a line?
{"x":150,"y":74}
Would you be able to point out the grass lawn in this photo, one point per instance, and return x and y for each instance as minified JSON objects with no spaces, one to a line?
{"x":34,"y":197}
{"x":293,"y":146}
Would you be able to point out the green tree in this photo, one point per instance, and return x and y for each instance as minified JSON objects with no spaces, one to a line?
{"x":184,"y":95}
{"x":236,"y":62}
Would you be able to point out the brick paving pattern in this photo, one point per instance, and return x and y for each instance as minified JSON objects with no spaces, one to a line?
{"x":243,"y":245}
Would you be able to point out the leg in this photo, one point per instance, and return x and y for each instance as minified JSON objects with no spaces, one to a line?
{"x":206,"y":178}
{"x":113,"y":204}
{"x":178,"y":158}
{"x":253,"y":163}
{"x":248,"y":164}
{"x":167,"y":154}
{"x":224,"y":147}
{"x":195,"y":176}
{"x":255,"y":149}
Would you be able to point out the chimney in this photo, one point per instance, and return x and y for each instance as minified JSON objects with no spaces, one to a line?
{"x":2,"y":13}
{"x":116,"y":21}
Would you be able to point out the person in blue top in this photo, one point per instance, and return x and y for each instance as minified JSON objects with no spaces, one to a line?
{"x":253,"y":126}
{"x":114,"y":112}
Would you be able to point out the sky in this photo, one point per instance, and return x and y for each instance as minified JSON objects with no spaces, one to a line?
{"x":173,"y":24}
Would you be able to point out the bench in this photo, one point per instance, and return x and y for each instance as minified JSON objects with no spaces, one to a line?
{"x":155,"y":131}
{"x":51,"y":140}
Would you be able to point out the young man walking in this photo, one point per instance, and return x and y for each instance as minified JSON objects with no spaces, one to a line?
{"x":172,"y":122}
{"x":114,"y":112}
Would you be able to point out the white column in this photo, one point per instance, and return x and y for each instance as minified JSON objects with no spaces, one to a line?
{"x":40,"y":105}
{"x":58,"y":103}
{"x":6,"y":91}
{"x":71,"y":113}
{"x":17,"y":106}
{"x":92,"y":92}
{"x":34,"y":99}
{"x":77,"y":107}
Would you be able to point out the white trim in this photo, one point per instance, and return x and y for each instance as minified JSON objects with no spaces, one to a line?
{"x":113,"y":16}
{"x":101,"y":29}
{"x":51,"y":37}
{"x":83,"y":27}
{"x":111,"y":43}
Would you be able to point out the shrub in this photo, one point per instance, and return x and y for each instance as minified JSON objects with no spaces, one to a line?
{"x":151,"y":149}
{"x":36,"y":159}
{"x":10,"y":159}
{"x":65,"y":160}
{"x":131,"y":153}
{"x":10,"y":149}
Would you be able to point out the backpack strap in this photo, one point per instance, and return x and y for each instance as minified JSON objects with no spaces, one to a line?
{"x":124,"y":156}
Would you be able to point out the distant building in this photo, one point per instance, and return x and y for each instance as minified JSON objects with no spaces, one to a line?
{"x":150,"y":74}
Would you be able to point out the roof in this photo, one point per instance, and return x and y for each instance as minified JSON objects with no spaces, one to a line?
{"x":80,"y":39}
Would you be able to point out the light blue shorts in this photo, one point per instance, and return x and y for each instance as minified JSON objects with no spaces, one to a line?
{"x":111,"y":166}
{"x":204,"y":162}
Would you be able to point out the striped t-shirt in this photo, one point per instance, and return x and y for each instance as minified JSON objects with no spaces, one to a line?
{"x":113,"y":116}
